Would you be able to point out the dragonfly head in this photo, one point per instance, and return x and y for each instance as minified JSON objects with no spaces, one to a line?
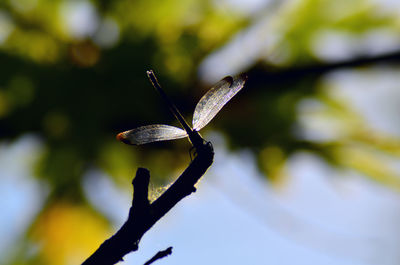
{"x":201,"y":145}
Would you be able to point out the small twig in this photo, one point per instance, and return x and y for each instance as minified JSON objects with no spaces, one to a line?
{"x":159,"y":255}
{"x":143,"y":215}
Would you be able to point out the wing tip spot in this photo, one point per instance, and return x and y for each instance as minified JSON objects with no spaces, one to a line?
{"x":122,"y":138}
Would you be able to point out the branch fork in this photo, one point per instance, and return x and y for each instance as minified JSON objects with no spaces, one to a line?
{"x":143,"y":214}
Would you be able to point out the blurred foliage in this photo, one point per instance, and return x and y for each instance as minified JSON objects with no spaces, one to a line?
{"x":60,"y":82}
{"x":73,"y":72}
{"x":67,"y":234}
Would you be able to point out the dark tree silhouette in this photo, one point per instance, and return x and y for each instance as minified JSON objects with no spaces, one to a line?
{"x":143,"y":215}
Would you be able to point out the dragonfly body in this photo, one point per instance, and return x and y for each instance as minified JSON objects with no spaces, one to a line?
{"x":209,"y":105}
{"x":194,"y":137}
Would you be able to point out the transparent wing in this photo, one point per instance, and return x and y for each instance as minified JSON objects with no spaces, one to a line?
{"x":151,"y":133}
{"x":213,"y":101}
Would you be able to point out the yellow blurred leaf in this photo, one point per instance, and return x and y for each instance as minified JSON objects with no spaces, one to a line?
{"x":68,"y":234}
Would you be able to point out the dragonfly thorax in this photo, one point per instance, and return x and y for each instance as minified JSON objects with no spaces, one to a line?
{"x":196,"y":139}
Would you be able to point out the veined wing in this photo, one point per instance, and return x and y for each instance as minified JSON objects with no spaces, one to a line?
{"x":151,"y":133}
{"x":213,"y":101}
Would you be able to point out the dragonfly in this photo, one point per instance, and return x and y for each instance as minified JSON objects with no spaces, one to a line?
{"x":206,"y":109}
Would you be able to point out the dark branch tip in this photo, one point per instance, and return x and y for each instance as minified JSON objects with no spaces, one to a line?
{"x":141,"y":174}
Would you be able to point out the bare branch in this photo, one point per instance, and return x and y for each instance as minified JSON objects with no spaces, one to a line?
{"x":159,"y":255}
{"x":143,"y":215}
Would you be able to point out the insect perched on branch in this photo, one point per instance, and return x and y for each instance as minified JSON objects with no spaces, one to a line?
{"x":209,"y":105}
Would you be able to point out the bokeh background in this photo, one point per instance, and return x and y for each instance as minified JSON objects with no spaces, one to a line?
{"x":307,"y":167}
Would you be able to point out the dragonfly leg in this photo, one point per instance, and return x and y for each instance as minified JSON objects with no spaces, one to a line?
{"x":205,"y":147}
{"x":192,"y":153}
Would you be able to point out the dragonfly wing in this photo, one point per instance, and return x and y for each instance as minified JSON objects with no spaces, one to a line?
{"x":213,"y":101}
{"x":151,"y":133}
